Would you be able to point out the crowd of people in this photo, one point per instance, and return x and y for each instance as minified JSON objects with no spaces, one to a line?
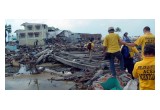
{"x":125,"y":50}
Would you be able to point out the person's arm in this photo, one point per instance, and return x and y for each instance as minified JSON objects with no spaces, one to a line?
{"x":137,"y":53}
{"x":137,"y":42}
{"x":122,"y":42}
{"x":134,"y":72}
{"x":139,"y":56}
{"x":104,"y":45}
{"x":130,"y":44}
{"x":104,"y":49}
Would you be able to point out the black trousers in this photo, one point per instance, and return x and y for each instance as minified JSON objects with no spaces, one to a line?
{"x":129,"y":65}
{"x":111,"y":57}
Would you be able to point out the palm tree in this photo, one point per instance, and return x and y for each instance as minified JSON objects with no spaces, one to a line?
{"x":7,"y":30}
{"x":118,"y":29}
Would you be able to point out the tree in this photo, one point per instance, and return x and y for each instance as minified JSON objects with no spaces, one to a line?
{"x":8,"y":29}
{"x":118,"y":29}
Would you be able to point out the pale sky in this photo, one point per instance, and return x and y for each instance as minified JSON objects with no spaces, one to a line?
{"x":133,"y":26}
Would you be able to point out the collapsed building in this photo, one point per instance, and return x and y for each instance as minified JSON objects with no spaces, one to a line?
{"x":42,"y":34}
{"x":58,"y":47}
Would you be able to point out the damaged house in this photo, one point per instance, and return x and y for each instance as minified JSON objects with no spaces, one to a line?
{"x":68,"y":36}
{"x":65,"y":35}
{"x":32,"y":32}
{"x":42,"y":34}
{"x":86,"y":36}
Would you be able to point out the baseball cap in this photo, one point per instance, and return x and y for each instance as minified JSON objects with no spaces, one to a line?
{"x":110,"y":28}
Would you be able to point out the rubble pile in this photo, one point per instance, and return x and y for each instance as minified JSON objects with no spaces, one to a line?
{"x":33,"y":60}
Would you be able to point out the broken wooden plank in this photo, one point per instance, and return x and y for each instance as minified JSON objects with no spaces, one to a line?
{"x":48,"y":65}
{"x":42,"y":52}
{"x":58,"y":73}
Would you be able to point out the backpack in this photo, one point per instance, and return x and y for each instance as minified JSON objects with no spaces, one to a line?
{"x":125,"y":52}
{"x":89,"y":46}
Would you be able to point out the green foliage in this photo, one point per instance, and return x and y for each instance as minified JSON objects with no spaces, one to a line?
{"x":8,"y":28}
{"x":117,"y":29}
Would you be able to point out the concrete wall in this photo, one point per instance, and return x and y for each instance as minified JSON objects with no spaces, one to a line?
{"x":30,"y":40}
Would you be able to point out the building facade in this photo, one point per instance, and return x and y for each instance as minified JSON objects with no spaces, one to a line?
{"x":31,"y":33}
{"x":40,"y":33}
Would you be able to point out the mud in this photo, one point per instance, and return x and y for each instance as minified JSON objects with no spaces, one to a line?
{"x":42,"y":71}
{"x":36,"y":82}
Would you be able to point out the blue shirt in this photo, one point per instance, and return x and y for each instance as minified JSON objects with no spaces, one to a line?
{"x":126,"y":39}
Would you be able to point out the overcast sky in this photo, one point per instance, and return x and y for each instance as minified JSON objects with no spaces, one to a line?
{"x":133,"y":26}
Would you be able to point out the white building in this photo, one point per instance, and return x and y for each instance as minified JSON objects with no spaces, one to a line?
{"x":31,"y":33}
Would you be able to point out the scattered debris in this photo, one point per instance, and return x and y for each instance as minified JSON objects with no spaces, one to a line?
{"x":64,"y":62}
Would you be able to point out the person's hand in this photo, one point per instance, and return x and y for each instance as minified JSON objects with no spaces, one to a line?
{"x":139,"y":57}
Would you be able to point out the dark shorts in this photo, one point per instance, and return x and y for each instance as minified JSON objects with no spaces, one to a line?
{"x":112,"y":55}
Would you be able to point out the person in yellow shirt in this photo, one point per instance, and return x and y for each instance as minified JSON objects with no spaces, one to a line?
{"x":145,"y":70}
{"x":147,"y":38}
{"x":112,"y":49}
{"x":90,"y":47}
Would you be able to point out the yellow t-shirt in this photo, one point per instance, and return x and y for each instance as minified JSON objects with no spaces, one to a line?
{"x":147,"y":38}
{"x":132,"y":51}
{"x":92,"y":45}
{"x":145,"y":71}
{"x":111,"y":41}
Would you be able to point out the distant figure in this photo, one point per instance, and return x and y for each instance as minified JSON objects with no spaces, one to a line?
{"x":36,"y":43}
{"x":90,"y":47}
{"x":145,"y":70}
{"x":147,"y":38}
{"x":125,"y":37}
{"x":112,"y":50}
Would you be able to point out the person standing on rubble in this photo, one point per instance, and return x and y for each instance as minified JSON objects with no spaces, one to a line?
{"x":90,"y":47}
{"x":145,"y":70}
{"x":128,"y":53}
{"x":36,"y":43}
{"x":147,"y":38}
{"x":112,"y":50}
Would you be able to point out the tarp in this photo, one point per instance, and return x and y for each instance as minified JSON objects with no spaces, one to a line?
{"x":111,"y":84}
{"x":12,"y":48}
{"x":23,"y":70}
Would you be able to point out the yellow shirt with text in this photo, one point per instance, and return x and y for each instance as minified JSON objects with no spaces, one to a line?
{"x":145,"y":71}
{"x":111,"y":41}
{"x":147,"y":38}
